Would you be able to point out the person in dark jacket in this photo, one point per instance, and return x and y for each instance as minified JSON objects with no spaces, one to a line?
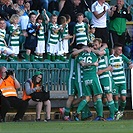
{"x":72,"y":7}
{"x":6,"y":10}
{"x":31,"y":39}
{"x":118,"y":23}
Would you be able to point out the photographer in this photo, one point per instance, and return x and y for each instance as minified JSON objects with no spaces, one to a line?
{"x":8,"y":86}
{"x":36,"y":96}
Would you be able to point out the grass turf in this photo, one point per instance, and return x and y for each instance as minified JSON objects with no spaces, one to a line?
{"x":123,"y":126}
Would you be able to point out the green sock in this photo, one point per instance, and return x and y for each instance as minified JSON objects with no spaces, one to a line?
{"x":99,"y":107}
{"x":95,"y":103}
{"x":27,"y":57}
{"x":48,"y":56}
{"x":116,"y":105}
{"x":111,"y":108}
{"x":85,"y":112}
{"x":52,"y":57}
{"x":81,"y":106}
{"x":122,"y":105}
{"x":32,"y":57}
{"x":67,"y":111}
{"x":40,"y":58}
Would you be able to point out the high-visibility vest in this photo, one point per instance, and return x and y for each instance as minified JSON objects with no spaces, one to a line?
{"x":25,"y":96}
{"x":7,"y":87}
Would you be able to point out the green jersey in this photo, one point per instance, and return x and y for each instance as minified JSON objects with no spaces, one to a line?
{"x":40,"y":35}
{"x":15,"y":37}
{"x":80,"y":30}
{"x":104,"y":63}
{"x":88,"y":58}
{"x":2,"y":37}
{"x":53,"y":36}
{"x":117,"y":63}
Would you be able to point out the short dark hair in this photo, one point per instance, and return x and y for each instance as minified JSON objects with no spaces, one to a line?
{"x":2,"y":19}
{"x":80,"y":46}
{"x":79,"y":14}
{"x":118,"y":45}
{"x":32,"y":13}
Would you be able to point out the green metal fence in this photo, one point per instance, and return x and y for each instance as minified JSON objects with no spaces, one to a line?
{"x":55,"y":74}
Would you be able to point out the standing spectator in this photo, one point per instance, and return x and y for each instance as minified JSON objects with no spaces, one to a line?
{"x":118,"y":23}
{"x":62,"y":22}
{"x":74,"y":6}
{"x":80,"y":31}
{"x":35,"y":85}
{"x":53,"y":36}
{"x":40,"y":49}
{"x":66,"y":36}
{"x":8,"y":86}
{"x":31,"y":40}
{"x":99,"y":13}
{"x":117,"y":62}
{"x":14,"y":31}
{"x":91,"y":35}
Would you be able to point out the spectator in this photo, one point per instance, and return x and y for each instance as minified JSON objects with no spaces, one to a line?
{"x":31,"y":39}
{"x":24,"y":18}
{"x":80,"y":31}
{"x":99,"y":12}
{"x":61,"y":4}
{"x":6,"y":10}
{"x":40,"y":49}
{"x":14,"y":31}
{"x":66,"y":36}
{"x":8,"y":86}
{"x":5,"y":52}
{"x":74,"y":6}
{"x":91,"y":35}
{"x":128,"y":45}
{"x":118,"y":23}
{"x":53,"y":34}
{"x":35,"y":85}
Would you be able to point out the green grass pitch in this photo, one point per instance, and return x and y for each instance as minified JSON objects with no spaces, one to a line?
{"x":123,"y":126}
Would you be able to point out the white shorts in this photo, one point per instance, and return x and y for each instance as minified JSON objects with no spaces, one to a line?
{"x":65,"y":45}
{"x":52,"y":49}
{"x":15,"y":49}
{"x":60,"y":50}
{"x":40,"y":47}
{"x":8,"y":50}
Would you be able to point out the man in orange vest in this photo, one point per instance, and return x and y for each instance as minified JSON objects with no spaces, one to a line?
{"x":8,"y":86}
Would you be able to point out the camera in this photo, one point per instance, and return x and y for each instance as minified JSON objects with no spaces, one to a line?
{"x":8,"y":73}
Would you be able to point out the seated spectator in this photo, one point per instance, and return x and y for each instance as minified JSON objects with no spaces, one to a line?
{"x":8,"y":86}
{"x":5,"y":52}
{"x":6,"y":10}
{"x":35,"y":85}
{"x":128,"y":45}
{"x":24,"y":18}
